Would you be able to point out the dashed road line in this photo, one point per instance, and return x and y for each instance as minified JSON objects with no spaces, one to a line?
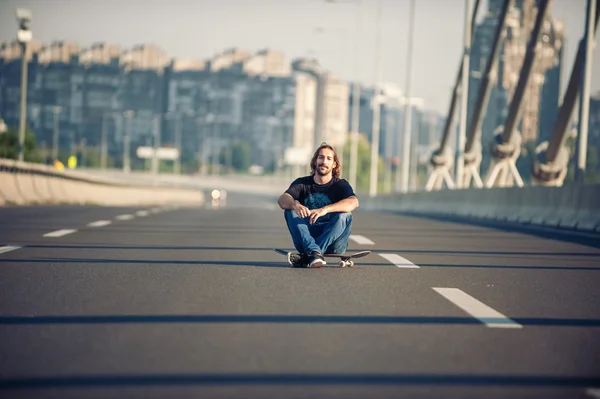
{"x":59,"y":233}
{"x":477,"y":309}
{"x":593,"y":392}
{"x":8,"y":248}
{"x":362,"y":240}
{"x":99,"y":223}
{"x":124,"y":217}
{"x":399,"y":261}
{"x":142,"y":213}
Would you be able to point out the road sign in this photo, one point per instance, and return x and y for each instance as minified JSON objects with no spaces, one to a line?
{"x":161,"y":153}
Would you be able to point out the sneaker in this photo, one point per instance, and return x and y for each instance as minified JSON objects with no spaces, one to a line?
{"x":316,"y":260}
{"x":297,"y":260}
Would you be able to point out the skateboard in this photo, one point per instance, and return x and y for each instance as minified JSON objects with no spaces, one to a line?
{"x":345,"y":259}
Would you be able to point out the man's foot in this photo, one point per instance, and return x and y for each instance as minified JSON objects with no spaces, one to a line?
{"x":297,"y":260}
{"x":316,"y":260}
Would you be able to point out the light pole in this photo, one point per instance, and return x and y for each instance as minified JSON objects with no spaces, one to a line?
{"x":176,"y":117}
{"x":215,"y":147}
{"x":408,"y":102}
{"x":210,"y":118}
{"x":55,"y":134}
{"x":464,"y":94}
{"x":24,"y":36}
{"x":353,"y":166}
{"x":155,"y":143}
{"x":127,"y":142}
{"x":103,"y":143}
{"x":376,"y":107}
{"x":3,"y":129}
{"x":177,"y":163}
{"x":355,"y":106}
{"x":584,"y":99}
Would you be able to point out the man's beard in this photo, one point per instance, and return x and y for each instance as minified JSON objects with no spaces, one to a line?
{"x":326,"y":172}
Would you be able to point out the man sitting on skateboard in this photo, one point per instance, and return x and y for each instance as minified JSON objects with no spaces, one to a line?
{"x":318,"y":208}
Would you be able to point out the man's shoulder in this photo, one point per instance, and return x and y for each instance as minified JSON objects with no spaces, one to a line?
{"x":303,"y":180}
{"x":344,"y":186}
{"x":341,"y":182}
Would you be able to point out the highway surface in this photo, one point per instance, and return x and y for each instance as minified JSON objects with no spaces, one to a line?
{"x":193,"y":302}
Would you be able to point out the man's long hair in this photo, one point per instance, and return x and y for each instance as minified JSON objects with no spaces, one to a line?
{"x":337,"y":170}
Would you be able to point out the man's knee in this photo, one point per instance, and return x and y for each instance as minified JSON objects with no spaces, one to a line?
{"x":341,"y":217}
{"x":290,"y":214}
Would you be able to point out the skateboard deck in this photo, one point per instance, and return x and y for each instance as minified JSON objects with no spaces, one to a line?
{"x":345,"y":259}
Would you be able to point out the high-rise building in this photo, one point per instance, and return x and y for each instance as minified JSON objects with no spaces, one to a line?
{"x":100,"y":53}
{"x":594,"y":122}
{"x":331,"y":117}
{"x":261,"y":98}
{"x":58,"y":51}
{"x":10,"y":82}
{"x":392,"y":104}
{"x":551,"y":89}
{"x":267,"y":62}
{"x":540,"y":100}
{"x":144,"y":56}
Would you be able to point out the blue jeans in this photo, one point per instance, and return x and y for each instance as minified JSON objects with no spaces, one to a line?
{"x":325,"y":236}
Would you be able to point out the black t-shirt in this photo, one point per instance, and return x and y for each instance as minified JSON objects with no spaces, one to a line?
{"x":314,"y":196}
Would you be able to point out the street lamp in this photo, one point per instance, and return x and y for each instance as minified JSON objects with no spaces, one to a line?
{"x":127,"y":142}
{"x":155,"y":143}
{"x":56,"y":118}
{"x":103,"y":144}
{"x":376,"y":108}
{"x":209,"y":120}
{"x":176,"y":117}
{"x":24,"y":36}
{"x":355,"y":96}
{"x":408,"y":104}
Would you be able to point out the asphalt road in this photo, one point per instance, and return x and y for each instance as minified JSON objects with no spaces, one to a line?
{"x":194,"y":302}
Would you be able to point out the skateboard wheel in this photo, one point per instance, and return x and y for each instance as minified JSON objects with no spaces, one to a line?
{"x":342,"y":264}
{"x":351,"y":263}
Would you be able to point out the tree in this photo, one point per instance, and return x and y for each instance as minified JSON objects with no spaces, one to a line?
{"x":592,"y":165}
{"x":241,"y":158}
{"x":363,"y":170}
{"x":9,"y":145}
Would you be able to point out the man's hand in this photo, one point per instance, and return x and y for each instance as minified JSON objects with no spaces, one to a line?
{"x":301,"y":210}
{"x":317,"y":213}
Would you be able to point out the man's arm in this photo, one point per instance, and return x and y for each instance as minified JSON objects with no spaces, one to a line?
{"x":346,"y":205}
{"x":286,"y":201}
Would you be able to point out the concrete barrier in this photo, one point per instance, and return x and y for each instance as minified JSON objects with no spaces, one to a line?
{"x":10,"y":189}
{"x":25,"y":184}
{"x":570,"y":206}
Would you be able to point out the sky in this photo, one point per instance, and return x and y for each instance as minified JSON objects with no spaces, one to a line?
{"x":199,"y":29}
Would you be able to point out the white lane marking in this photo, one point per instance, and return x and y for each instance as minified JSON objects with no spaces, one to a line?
{"x":593,"y":392}
{"x":8,"y":248}
{"x":124,"y":217}
{"x":142,"y":213}
{"x":399,"y":261}
{"x":155,"y":210}
{"x":59,"y":233}
{"x":99,"y":223}
{"x":361,"y":239}
{"x":477,"y":309}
